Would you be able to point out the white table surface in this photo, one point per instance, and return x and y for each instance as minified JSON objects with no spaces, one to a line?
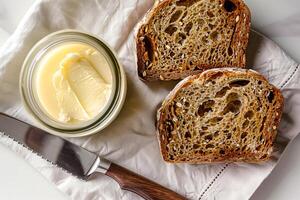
{"x":277,"y":19}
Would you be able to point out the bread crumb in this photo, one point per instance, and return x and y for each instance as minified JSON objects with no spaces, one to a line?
{"x":274,"y":127}
{"x":237,"y":18}
{"x":142,"y":38}
{"x":168,"y":47}
{"x":179,"y":136}
{"x":161,"y":77}
{"x":179,"y":104}
{"x":155,"y":54}
{"x":144,"y":73}
{"x":180,"y":23}
{"x":244,"y":59}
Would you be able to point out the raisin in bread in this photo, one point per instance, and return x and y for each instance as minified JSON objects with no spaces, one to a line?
{"x":220,"y":115}
{"x":182,"y":37}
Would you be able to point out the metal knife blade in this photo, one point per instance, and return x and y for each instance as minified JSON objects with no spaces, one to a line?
{"x":79,"y":161}
{"x":58,"y":151}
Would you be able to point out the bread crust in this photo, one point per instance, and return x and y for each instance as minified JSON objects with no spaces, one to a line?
{"x":270,"y":126}
{"x":238,"y":42}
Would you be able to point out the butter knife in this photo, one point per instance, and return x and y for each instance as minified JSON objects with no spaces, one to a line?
{"x":79,"y":161}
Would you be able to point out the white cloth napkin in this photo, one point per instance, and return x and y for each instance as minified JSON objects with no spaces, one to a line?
{"x":130,"y":140}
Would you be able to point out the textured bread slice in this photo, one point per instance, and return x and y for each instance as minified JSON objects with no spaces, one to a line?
{"x":178,"y":38}
{"x":220,"y":115}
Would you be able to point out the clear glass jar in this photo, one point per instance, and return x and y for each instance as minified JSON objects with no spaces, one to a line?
{"x":29,"y":94}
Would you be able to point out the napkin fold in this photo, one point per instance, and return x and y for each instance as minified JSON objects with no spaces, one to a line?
{"x":130,"y":140}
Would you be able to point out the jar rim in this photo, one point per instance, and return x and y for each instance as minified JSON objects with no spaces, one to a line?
{"x":113,"y":106}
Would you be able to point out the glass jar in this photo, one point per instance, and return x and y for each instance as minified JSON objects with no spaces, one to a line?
{"x":28,"y":85}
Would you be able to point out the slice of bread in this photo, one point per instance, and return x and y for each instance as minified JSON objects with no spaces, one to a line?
{"x":178,"y":38}
{"x":220,"y":115}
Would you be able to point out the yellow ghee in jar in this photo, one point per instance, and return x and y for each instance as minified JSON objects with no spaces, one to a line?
{"x":73,"y":82}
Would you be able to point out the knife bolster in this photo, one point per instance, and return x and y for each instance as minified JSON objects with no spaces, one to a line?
{"x":101,"y":165}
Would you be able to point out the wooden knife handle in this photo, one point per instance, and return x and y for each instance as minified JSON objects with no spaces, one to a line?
{"x":140,"y":185}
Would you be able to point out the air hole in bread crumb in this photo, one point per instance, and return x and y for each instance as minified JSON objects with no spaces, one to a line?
{"x":215,"y":120}
{"x":222,"y":152}
{"x":201,"y":133}
{"x":264,"y":156}
{"x":180,"y":38}
{"x":205,"y":107}
{"x":171,"y":157}
{"x":186,"y":104}
{"x":201,"y":22}
{"x":172,"y":54}
{"x":239,"y":83}
{"x":171,"y":29}
{"x":233,"y":106}
{"x":249,"y":114}
{"x":259,"y":82}
{"x":260,"y":138}
{"x":230,"y":51}
{"x":188,"y":135}
{"x":211,"y":26}
{"x":148,"y":47}
{"x":262,"y":124}
{"x":196,"y":146}
{"x":216,"y":134}
{"x":169,"y":126}
{"x":244,"y":148}
{"x":270,"y":96}
{"x":258,"y":148}
{"x":229,"y":6}
{"x":208,"y":137}
{"x":204,"y":40}
{"x":175,"y":16}
{"x":215,"y":36}
{"x":245,"y":124}
{"x":210,"y":14}
{"x":209,"y":146}
{"x":188,"y":28}
{"x":222,"y":92}
{"x":243,"y":135}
